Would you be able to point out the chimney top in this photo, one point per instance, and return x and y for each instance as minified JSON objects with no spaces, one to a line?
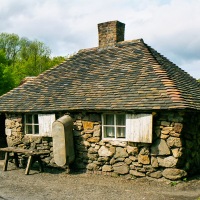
{"x":110,"y":33}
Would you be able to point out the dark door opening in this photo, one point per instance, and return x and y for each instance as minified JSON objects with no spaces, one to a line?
{"x":3,"y":142}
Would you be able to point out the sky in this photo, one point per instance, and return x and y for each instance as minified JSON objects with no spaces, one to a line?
{"x":172,"y":27}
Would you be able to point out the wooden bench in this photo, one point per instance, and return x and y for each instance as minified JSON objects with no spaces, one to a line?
{"x":33,"y":155}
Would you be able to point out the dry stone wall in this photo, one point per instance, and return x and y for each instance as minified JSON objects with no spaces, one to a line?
{"x":191,"y":143}
{"x":165,"y":157}
{"x":15,"y":137}
{"x":174,"y":152}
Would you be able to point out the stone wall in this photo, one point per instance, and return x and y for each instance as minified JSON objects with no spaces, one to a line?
{"x":15,"y":137}
{"x":175,"y":149}
{"x":191,"y":143}
{"x":167,"y":156}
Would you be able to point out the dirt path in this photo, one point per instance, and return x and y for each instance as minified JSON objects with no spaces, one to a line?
{"x":56,"y":184}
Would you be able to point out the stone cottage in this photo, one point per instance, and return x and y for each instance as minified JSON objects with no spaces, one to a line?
{"x":134,"y":112}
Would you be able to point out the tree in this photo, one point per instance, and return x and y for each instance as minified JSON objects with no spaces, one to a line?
{"x":10,"y":45}
{"x":21,"y":57}
{"x":6,"y":81}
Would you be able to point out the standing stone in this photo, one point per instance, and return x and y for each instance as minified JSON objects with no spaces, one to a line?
{"x":121,"y":168}
{"x":160,"y":147}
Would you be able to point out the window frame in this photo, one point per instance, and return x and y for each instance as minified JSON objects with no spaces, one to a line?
{"x":44,"y":123}
{"x":32,"y":124}
{"x":115,"y":126}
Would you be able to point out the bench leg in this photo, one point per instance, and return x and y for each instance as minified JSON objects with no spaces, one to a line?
{"x":6,"y":161}
{"x":30,"y":160}
{"x":40,"y":164}
{"x":16,"y":160}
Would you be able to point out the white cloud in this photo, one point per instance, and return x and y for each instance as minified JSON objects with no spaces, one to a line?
{"x":170,"y":26}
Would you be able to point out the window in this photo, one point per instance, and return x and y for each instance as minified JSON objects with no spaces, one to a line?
{"x":31,"y":124}
{"x":40,"y":124}
{"x":128,"y":127}
{"x":114,"y":126}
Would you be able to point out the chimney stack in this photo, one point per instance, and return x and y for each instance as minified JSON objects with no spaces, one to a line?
{"x":110,"y":33}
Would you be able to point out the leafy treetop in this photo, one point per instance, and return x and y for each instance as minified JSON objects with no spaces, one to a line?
{"x":21,"y":57}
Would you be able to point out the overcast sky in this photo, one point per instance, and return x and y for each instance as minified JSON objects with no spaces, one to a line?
{"x":172,"y":27}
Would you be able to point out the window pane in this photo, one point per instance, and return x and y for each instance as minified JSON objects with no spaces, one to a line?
{"x":28,"y":118}
{"x":109,"y":120}
{"x":109,"y":132}
{"x":120,"y":132}
{"x":35,"y":119}
{"x":36,"y":127}
{"x":120,"y":119}
{"x":29,"y":129}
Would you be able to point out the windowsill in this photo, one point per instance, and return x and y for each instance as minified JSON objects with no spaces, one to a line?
{"x":36,"y":135}
{"x":114,"y":139}
{"x":33,"y":135}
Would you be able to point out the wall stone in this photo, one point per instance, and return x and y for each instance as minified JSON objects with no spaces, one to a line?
{"x":160,"y":147}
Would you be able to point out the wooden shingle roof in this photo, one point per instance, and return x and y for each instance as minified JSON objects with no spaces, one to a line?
{"x":128,"y":76}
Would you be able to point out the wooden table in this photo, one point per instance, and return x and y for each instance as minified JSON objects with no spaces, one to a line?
{"x":33,"y":155}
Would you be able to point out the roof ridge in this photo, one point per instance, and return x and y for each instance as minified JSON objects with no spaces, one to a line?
{"x":122,"y":43}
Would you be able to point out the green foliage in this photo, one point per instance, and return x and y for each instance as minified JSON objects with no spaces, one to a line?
{"x":21,"y":57}
{"x":6,"y":80}
{"x":174,"y":183}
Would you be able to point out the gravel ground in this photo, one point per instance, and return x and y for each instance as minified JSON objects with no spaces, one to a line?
{"x":56,"y":184}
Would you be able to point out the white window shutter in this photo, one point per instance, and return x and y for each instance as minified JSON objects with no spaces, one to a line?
{"x":45,"y":124}
{"x":139,"y":128}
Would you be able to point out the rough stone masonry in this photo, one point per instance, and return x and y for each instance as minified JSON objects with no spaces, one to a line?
{"x":174,"y":152}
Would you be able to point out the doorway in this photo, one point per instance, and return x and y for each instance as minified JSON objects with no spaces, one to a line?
{"x":3,"y":142}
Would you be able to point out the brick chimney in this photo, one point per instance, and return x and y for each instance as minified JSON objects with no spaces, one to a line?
{"x":110,"y":33}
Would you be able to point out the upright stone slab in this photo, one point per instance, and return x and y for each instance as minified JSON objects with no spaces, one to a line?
{"x":63,"y":148}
